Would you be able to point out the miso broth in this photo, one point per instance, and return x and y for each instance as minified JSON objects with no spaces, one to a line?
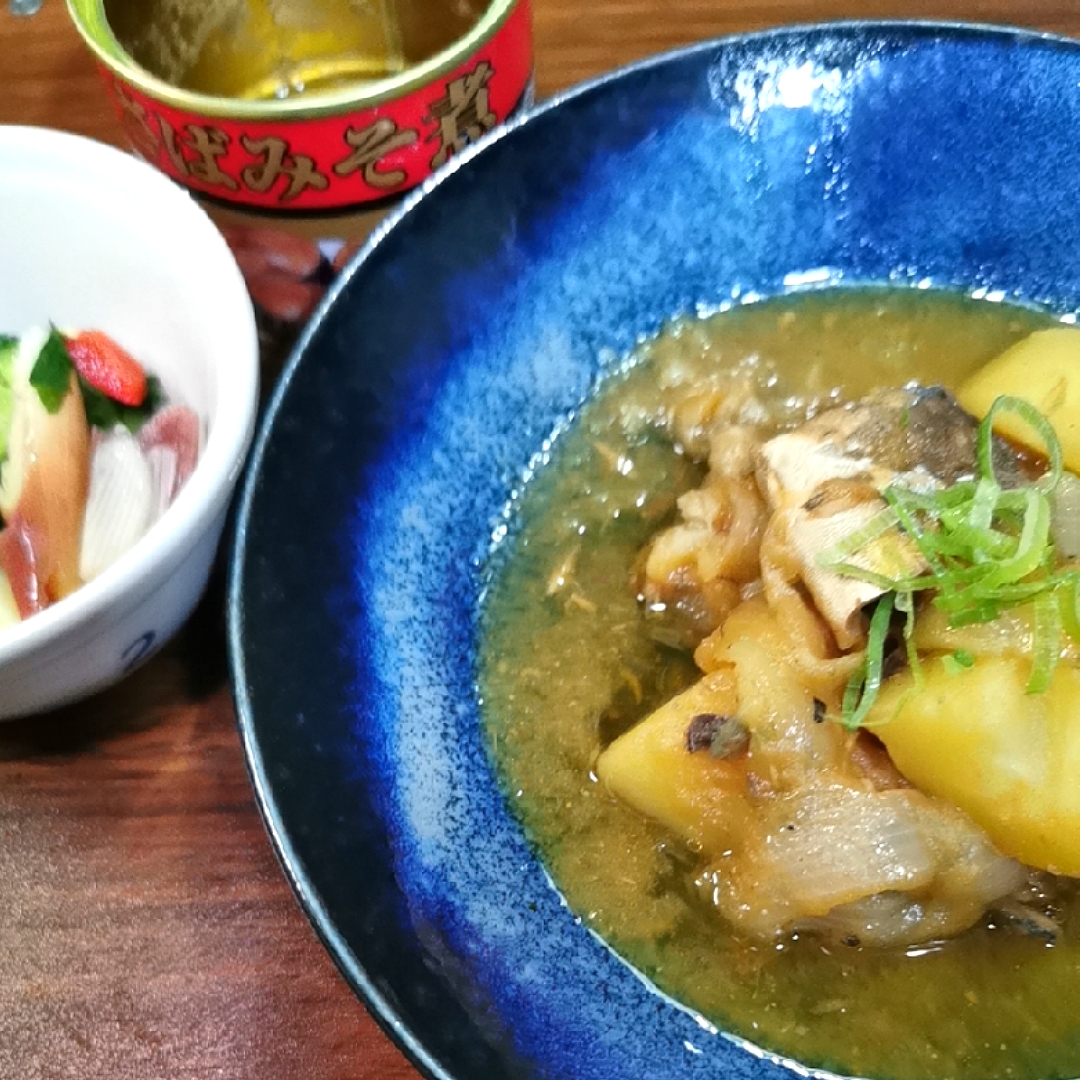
{"x":568,"y":664}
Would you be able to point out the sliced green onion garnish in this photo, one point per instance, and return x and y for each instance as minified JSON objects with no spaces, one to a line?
{"x":1069,"y":599}
{"x":905,"y":602}
{"x":1034,"y":420}
{"x":984,"y":502}
{"x":884,"y":520}
{"x":899,"y":499}
{"x":985,"y":548}
{"x":957,"y":661}
{"x":882,"y":581}
{"x":1046,"y":646}
{"x":1030,"y":547}
{"x":862,"y":688}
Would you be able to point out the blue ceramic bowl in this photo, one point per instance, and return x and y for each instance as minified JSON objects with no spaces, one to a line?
{"x":443,"y":358}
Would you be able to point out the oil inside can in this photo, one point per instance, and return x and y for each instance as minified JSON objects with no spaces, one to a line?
{"x":276,"y":49}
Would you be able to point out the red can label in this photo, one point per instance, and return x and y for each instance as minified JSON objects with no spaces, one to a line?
{"x":340,"y":161}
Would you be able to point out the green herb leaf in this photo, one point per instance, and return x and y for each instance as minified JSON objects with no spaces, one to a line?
{"x":51,"y":373}
{"x":105,"y":413}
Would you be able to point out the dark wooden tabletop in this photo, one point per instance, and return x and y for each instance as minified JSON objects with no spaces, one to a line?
{"x":146,"y":930}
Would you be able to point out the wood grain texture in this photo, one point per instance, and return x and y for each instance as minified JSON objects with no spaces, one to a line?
{"x":146,"y":930}
{"x":576,"y":41}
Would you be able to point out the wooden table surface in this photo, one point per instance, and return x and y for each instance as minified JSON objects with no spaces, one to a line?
{"x":146,"y":930}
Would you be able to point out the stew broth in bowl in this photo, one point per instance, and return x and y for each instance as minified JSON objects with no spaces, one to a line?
{"x":581,"y":647}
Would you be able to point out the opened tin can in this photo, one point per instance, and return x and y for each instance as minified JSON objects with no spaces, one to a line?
{"x":300,"y":123}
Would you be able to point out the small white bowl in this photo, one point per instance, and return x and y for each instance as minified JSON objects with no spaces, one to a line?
{"x":92,"y":237}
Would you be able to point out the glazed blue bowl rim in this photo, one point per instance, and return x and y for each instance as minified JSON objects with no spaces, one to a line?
{"x":304,"y":889}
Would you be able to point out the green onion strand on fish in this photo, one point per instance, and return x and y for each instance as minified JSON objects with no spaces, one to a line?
{"x":986,"y":549}
{"x":863,"y":686}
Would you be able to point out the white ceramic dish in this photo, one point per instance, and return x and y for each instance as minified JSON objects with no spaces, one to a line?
{"x":92,"y":237}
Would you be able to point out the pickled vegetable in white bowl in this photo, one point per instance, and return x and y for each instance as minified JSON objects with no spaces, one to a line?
{"x":91,"y":455}
{"x":93,"y":241}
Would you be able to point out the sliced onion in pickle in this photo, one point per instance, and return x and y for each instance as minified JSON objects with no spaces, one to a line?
{"x":121,"y":503}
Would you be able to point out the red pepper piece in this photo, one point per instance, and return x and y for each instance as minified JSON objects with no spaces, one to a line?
{"x":108,"y":366}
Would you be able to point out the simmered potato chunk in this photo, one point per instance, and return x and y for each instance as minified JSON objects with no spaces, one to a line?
{"x":1044,"y":370}
{"x":1011,"y":760}
{"x":696,"y":795}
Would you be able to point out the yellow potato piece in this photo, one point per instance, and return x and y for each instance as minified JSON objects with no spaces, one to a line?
{"x":1044,"y":370}
{"x":698,"y":796}
{"x":1011,"y":760}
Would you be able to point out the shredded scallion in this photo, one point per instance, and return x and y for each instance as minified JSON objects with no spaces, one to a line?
{"x":985,"y":548}
{"x":1046,"y":645}
{"x":862,"y":688}
{"x":958,"y":660}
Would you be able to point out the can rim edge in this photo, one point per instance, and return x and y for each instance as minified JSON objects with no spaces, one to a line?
{"x":93,"y":26}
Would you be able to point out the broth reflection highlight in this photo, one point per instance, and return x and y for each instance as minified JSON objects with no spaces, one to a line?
{"x":588,"y":631}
